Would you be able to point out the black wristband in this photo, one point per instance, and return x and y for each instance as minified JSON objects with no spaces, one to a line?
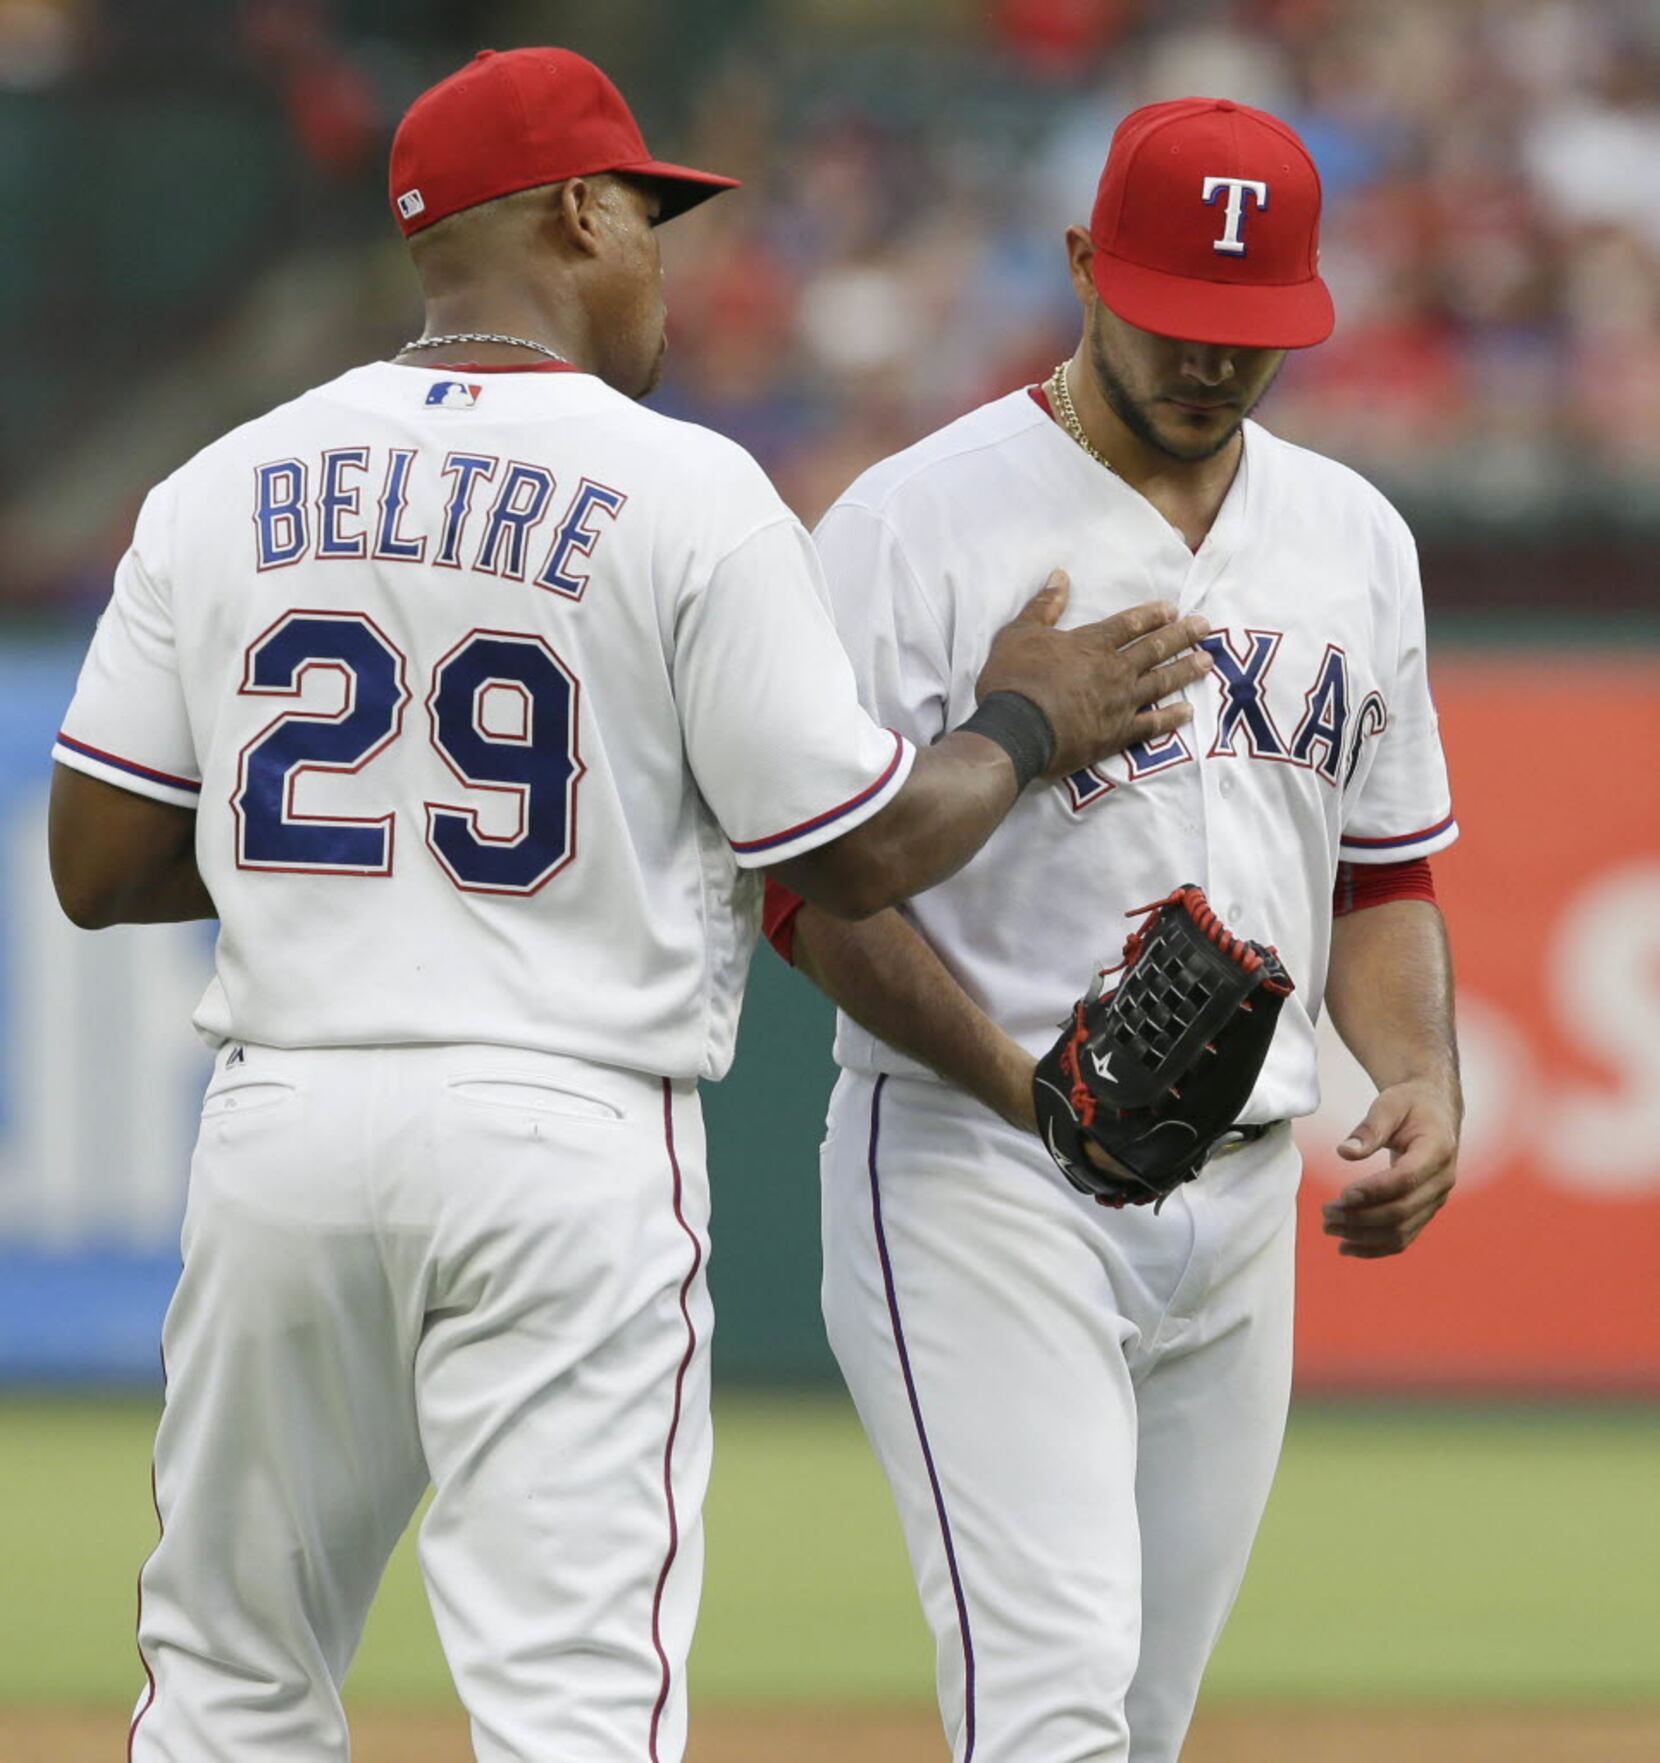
{"x":1019,"y":726}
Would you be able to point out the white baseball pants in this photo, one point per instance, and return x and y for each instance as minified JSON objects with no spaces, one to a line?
{"x":469,"y":1264}
{"x":1079,"y":1411}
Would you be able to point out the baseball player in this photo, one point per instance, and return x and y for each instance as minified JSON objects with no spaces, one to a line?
{"x":1080,"y":1410}
{"x":472,"y":698}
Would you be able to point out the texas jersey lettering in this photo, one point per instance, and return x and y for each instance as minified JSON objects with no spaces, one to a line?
{"x":1329,"y":737}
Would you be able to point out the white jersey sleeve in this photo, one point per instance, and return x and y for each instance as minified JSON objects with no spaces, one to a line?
{"x":888,"y":623}
{"x":1398,"y":805}
{"x":128,"y":722}
{"x":781,"y":750}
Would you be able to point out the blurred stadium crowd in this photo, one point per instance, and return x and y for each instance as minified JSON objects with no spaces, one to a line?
{"x":192,"y":204}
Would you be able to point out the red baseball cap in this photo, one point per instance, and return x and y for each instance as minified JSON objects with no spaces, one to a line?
{"x":1207,"y":226}
{"x":513,"y":120}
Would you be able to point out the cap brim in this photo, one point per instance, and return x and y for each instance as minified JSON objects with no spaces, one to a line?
{"x":1294,"y":315}
{"x":681,"y":186}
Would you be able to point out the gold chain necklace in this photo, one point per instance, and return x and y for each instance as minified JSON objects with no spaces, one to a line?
{"x":1062,"y":399}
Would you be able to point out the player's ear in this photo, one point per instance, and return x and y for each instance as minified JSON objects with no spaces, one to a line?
{"x":1080,"y":254}
{"x":579,"y":216}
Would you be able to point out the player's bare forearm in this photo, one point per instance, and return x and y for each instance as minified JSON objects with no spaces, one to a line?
{"x":957,"y":795}
{"x":1389,"y":989}
{"x":121,"y":858}
{"x":1390,"y":993}
{"x":888,"y":978}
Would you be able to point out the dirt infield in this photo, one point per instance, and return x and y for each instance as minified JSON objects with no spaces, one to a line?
{"x":1232,"y":1736}
{"x":1254,"y":1736}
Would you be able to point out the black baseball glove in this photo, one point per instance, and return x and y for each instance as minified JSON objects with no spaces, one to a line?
{"x":1154,"y":1073}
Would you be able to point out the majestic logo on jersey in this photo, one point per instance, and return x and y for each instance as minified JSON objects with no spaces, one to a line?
{"x":1232,"y":243}
{"x":453,"y":395}
{"x":484,"y":516}
{"x":1329,"y":738}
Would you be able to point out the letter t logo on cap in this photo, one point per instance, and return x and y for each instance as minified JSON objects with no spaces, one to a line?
{"x":1230,"y":243}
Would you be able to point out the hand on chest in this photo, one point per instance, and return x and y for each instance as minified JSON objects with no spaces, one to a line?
{"x":1298,"y":679}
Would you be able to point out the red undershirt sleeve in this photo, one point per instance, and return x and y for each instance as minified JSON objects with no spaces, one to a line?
{"x":1360,"y":885}
{"x":778,"y":918}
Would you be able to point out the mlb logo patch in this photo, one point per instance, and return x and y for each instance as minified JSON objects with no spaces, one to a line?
{"x":453,"y":395}
{"x":411,"y":203}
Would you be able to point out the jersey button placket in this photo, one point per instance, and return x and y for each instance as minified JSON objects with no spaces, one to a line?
{"x":1215,"y":787}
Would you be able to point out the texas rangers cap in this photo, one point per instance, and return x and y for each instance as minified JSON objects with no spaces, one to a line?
{"x":512,"y":120}
{"x":1207,"y":226}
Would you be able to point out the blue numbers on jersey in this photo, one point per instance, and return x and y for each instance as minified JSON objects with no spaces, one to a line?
{"x":503,"y":711}
{"x":504,"y":717}
{"x":270,"y":835}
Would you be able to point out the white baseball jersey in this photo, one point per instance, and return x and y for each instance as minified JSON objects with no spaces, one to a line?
{"x":488,"y":688}
{"x":1313,"y":741}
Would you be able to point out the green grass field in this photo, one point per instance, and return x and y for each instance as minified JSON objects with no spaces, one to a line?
{"x":1408,"y":1558}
